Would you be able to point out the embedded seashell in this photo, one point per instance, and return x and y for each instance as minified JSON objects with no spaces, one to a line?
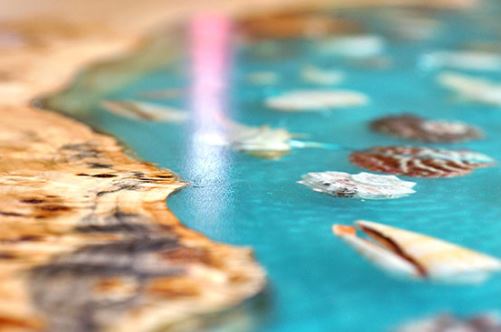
{"x":469,"y":60}
{"x":420,"y":161}
{"x":137,"y":110}
{"x":413,"y":127}
{"x":262,"y":141}
{"x":371,"y":63}
{"x":449,"y":323}
{"x":417,"y":256}
{"x":362,"y":185}
{"x":358,"y":46}
{"x":315,"y":100}
{"x":472,"y":88}
{"x":316,"y":75}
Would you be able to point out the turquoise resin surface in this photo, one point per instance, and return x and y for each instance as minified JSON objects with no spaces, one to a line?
{"x":316,"y":282}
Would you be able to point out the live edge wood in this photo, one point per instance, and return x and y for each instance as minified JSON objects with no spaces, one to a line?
{"x":86,"y":240}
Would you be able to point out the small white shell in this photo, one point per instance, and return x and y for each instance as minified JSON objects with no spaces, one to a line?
{"x":315,"y":100}
{"x":361,"y":46}
{"x":262,"y":141}
{"x":472,"y":88}
{"x":469,"y":60}
{"x":362,"y":185}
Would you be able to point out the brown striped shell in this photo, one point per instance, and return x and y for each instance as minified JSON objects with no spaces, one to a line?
{"x":420,"y":161}
{"x":409,"y":126}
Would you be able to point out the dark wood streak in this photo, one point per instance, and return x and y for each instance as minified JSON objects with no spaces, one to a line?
{"x":75,"y":228}
{"x":70,"y":278}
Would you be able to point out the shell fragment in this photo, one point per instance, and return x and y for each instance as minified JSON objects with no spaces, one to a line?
{"x":137,"y":110}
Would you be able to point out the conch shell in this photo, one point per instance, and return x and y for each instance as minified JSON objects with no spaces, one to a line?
{"x":417,"y":256}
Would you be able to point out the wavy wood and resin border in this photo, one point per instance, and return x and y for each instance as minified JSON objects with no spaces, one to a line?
{"x":86,"y":240}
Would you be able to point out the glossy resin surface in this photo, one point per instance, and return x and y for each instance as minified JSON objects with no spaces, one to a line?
{"x":316,"y":283}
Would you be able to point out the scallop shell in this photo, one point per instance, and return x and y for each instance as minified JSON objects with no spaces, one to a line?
{"x":420,"y":161}
{"x":315,"y":100}
{"x":418,"y":256}
{"x":362,"y":185}
{"x":413,"y":127}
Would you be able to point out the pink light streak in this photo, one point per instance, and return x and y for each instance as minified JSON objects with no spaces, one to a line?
{"x":210,"y":46}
